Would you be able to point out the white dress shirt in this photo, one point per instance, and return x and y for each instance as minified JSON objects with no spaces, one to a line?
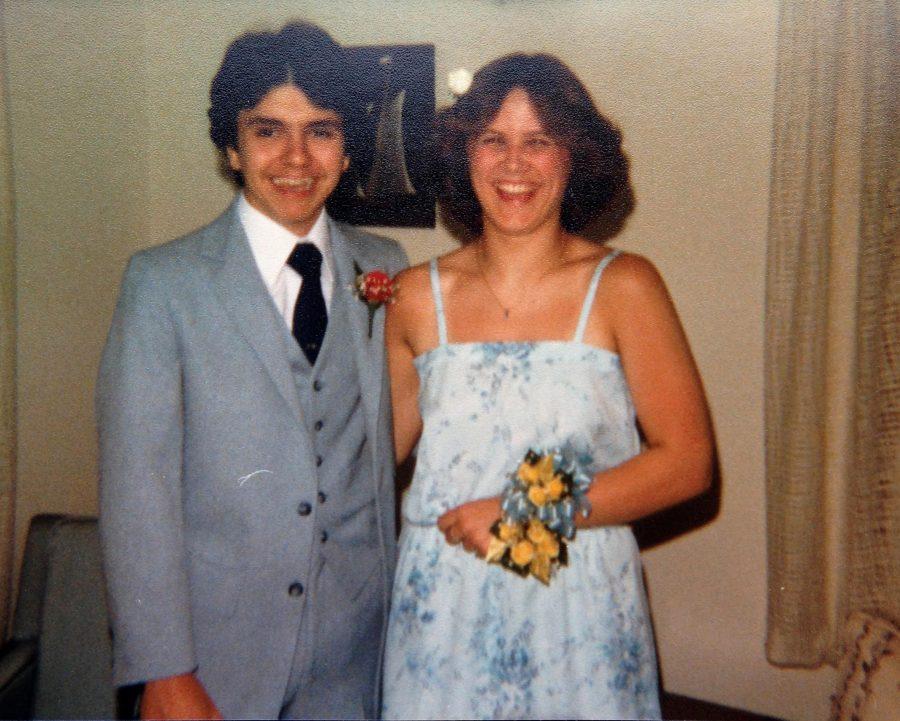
{"x":272,"y":244}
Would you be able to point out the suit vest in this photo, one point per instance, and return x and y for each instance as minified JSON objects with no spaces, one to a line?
{"x":330,"y":396}
{"x":344,"y":610}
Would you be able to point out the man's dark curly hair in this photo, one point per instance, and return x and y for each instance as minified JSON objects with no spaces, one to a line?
{"x":599,"y":168}
{"x":301,"y":54}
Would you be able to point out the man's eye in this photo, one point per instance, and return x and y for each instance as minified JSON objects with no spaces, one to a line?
{"x":324,"y":133}
{"x":265,"y":132}
{"x":540,"y":142}
{"x":489,"y":140}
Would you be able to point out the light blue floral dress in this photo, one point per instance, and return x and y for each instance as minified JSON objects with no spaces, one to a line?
{"x":471,"y":640}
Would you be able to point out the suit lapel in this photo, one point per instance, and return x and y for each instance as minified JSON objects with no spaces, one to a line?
{"x":246,"y":299}
{"x":368,"y":352}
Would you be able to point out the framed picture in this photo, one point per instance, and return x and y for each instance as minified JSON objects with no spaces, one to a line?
{"x":390,"y":181}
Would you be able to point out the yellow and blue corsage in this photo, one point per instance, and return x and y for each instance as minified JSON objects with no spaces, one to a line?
{"x":539,"y":507}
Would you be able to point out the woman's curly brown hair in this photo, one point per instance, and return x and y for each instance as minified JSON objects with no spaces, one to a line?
{"x":599,"y":168}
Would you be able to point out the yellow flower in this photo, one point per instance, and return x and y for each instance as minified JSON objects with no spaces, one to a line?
{"x":548,"y":546}
{"x":537,"y":531}
{"x":545,"y":468}
{"x":509,"y":531}
{"x":543,"y":539}
{"x":522,"y":553}
{"x":496,"y":549}
{"x":537,"y":495}
{"x":540,"y":569}
{"x":528,"y":473}
{"x":539,"y":472}
{"x":556,"y":488}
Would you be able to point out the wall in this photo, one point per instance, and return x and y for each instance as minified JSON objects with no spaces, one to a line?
{"x":7,"y":351}
{"x":110,"y":153}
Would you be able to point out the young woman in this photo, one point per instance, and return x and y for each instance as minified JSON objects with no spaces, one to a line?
{"x":533,"y":337}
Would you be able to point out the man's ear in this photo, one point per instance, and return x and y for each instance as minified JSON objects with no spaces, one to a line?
{"x":345,"y":165}
{"x":234,"y":159}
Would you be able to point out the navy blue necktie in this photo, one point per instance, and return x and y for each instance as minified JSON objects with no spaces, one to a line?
{"x":310,"y":314}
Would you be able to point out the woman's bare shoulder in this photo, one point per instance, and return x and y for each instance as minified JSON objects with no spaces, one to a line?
{"x":631,"y":275}
{"x":412,"y":294}
{"x":411,"y":314}
{"x":455,"y":268}
{"x":411,"y":280}
{"x":582,"y":255}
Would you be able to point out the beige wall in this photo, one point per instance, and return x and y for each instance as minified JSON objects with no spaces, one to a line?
{"x":7,"y":351}
{"x":110,"y":153}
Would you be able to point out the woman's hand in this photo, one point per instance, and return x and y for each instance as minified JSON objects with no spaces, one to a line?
{"x":470,"y":524}
{"x":177,"y":697}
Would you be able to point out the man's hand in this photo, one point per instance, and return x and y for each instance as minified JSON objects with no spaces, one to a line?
{"x":177,"y":697}
{"x":470,"y":524}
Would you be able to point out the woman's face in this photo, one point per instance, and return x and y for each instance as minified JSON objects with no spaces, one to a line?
{"x":519,"y":172}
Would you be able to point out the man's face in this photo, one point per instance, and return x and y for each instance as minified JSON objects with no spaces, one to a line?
{"x":291,"y":154}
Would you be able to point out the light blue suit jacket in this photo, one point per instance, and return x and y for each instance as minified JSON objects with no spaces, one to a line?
{"x":206,"y":456}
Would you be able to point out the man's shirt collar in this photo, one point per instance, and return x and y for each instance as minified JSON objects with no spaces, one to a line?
{"x":272,"y":243}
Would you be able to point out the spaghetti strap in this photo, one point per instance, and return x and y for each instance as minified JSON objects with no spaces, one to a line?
{"x":438,"y":302}
{"x":591,"y":292}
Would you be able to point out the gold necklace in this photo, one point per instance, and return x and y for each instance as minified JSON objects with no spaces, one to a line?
{"x":479,"y":261}
{"x":480,"y":264}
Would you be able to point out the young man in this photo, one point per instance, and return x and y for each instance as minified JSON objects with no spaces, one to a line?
{"x":246,"y":458}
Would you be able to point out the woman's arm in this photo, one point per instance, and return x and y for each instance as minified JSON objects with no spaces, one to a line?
{"x":177,"y":697}
{"x":399,"y":323}
{"x":665,"y":386}
{"x":676,"y":463}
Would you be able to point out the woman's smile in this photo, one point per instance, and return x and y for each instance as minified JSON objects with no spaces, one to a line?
{"x":519,"y":171}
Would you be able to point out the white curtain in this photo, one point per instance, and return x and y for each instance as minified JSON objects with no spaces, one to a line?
{"x":872,"y":540}
{"x":832,"y":410}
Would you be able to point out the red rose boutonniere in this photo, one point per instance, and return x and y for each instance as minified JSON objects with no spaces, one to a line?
{"x":374,"y":288}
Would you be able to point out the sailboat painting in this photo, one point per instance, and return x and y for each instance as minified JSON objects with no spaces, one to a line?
{"x":390,"y":181}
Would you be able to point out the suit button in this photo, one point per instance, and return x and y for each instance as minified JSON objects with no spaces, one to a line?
{"x":322,"y":497}
{"x":318,"y":425}
{"x":318,"y":461}
{"x":317,"y":385}
{"x":295,"y":589}
{"x":324,"y":536}
{"x":304,"y":509}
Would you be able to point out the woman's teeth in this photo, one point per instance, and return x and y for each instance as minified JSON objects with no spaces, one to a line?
{"x":300,"y":183}
{"x":513,"y":188}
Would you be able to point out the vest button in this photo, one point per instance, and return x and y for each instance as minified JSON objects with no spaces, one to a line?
{"x":318,"y":425}
{"x":324,"y":536}
{"x":322,"y":497}
{"x":318,"y":460}
{"x":317,"y":385}
{"x":304,"y":509}
{"x":295,"y":589}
